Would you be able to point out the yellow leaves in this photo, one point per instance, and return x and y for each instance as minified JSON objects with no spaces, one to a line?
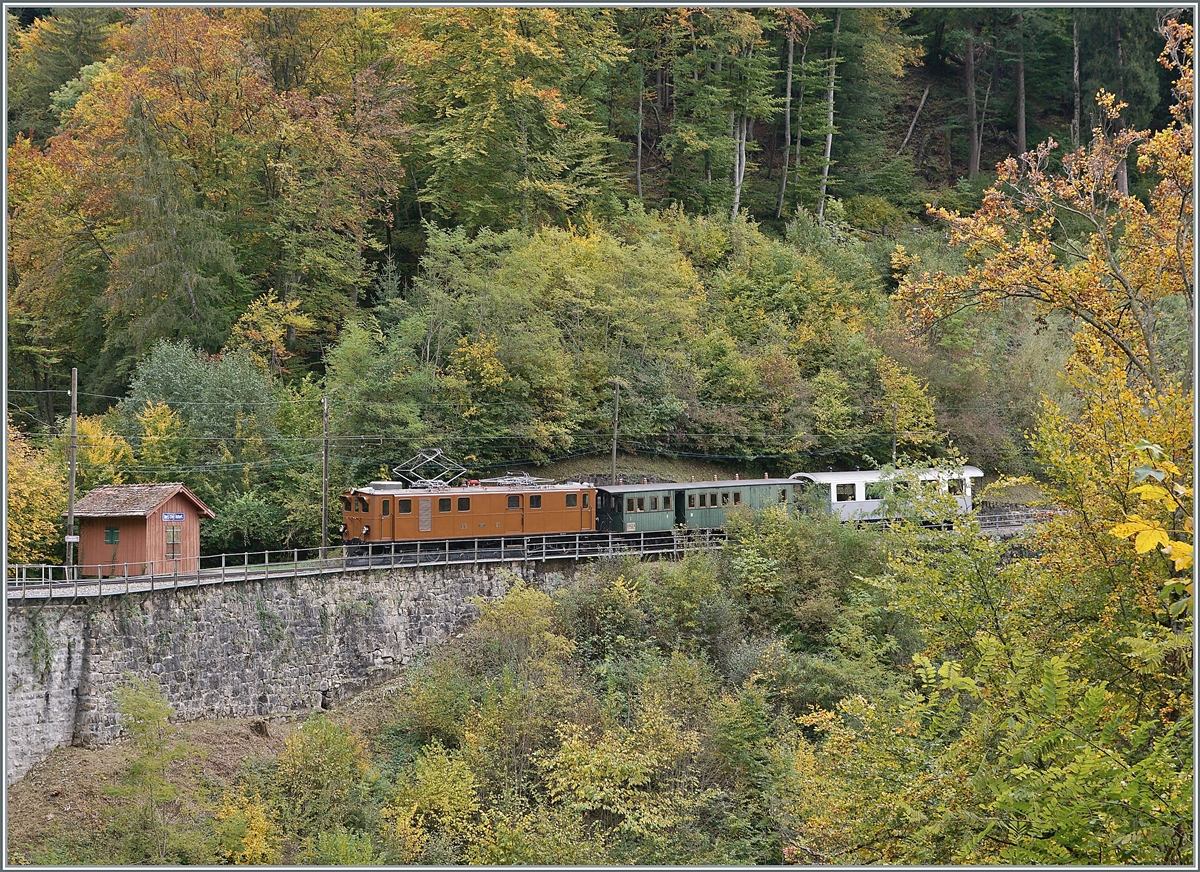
{"x":36,"y":495}
{"x":248,"y":835}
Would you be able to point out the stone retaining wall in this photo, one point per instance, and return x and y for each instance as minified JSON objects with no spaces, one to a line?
{"x":242,"y":649}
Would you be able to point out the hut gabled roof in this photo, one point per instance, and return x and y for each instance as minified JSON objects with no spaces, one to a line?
{"x":125,"y":500}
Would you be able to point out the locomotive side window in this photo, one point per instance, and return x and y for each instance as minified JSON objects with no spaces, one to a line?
{"x":585,"y":501}
{"x":403,"y":507}
{"x":572,"y":500}
{"x":514,"y":501}
{"x":535,"y":501}
{"x":845,"y":493}
{"x":387,"y":508}
{"x":443,"y":504}
{"x":464,"y":504}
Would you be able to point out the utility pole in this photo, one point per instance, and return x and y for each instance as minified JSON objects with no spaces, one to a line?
{"x":71,"y":538}
{"x":324,"y":475}
{"x":616,"y":413}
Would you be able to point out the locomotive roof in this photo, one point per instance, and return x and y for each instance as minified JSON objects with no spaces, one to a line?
{"x":879,"y":475}
{"x":395,"y":487}
{"x":691,"y":485}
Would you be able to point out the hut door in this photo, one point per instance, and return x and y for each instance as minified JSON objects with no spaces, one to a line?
{"x":425,"y":514}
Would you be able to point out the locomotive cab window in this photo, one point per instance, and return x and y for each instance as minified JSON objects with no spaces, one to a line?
{"x":403,"y":507}
{"x":443,"y":504}
{"x":572,"y":500}
{"x":535,"y":501}
{"x":585,"y":501}
{"x":346,"y":504}
{"x":387,"y":508}
{"x":514,"y":501}
{"x":464,"y":504}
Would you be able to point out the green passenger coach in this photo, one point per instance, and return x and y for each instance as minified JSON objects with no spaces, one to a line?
{"x":662,"y":506}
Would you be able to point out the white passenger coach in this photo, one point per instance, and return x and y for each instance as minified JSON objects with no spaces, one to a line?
{"x":860,"y":495}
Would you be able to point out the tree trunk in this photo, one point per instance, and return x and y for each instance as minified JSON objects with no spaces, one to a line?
{"x":800,"y":100}
{"x":1021,"y":148}
{"x":1075,"y":132}
{"x":787,"y":124}
{"x":837,"y":25}
{"x":972,"y":109}
{"x":913,"y":125}
{"x":1122,"y":166}
{"x":641,"y":92}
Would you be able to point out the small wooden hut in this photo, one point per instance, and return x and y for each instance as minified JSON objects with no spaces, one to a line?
{"x":136,"y":529}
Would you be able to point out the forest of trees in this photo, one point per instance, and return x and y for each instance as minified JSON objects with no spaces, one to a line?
{"x":467,"y":226}
{"x":793,"y":237}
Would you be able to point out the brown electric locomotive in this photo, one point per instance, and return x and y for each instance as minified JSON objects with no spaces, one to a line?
{"x":387,"y":511}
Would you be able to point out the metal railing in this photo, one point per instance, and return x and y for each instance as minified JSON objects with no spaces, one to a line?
{"x":46,"y":581}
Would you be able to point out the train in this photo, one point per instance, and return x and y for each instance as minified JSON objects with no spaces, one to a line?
{"x":396,"y":512}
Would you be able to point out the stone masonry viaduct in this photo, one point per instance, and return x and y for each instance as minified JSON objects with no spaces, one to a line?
{"x":258,"y":647}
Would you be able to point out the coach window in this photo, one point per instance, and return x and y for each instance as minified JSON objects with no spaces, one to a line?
{"x":464,"y":504}
{"x":654,"y":504}
{"x":725,"y":498}
{"x":691,"y":501}
{"x":444,"y":504}
{"x":703,"y":500}
{"x":666,"y":503}
{"x":845,"y":493}
{"x":629,"y":504}
{"x":641,"y":504}
{"x":585,"y":501}
{"x":782,"y":495}
{"x":737,"y":498}
{"x":955,"y":486}
{"x":387,"y":508}
{"x":572,"y":501}
{"x":403,"y":507}
{"x":514,"y":501}
{"x":712,"y":499}
{"x":535,"y":501}
{"x":876,"y":490}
